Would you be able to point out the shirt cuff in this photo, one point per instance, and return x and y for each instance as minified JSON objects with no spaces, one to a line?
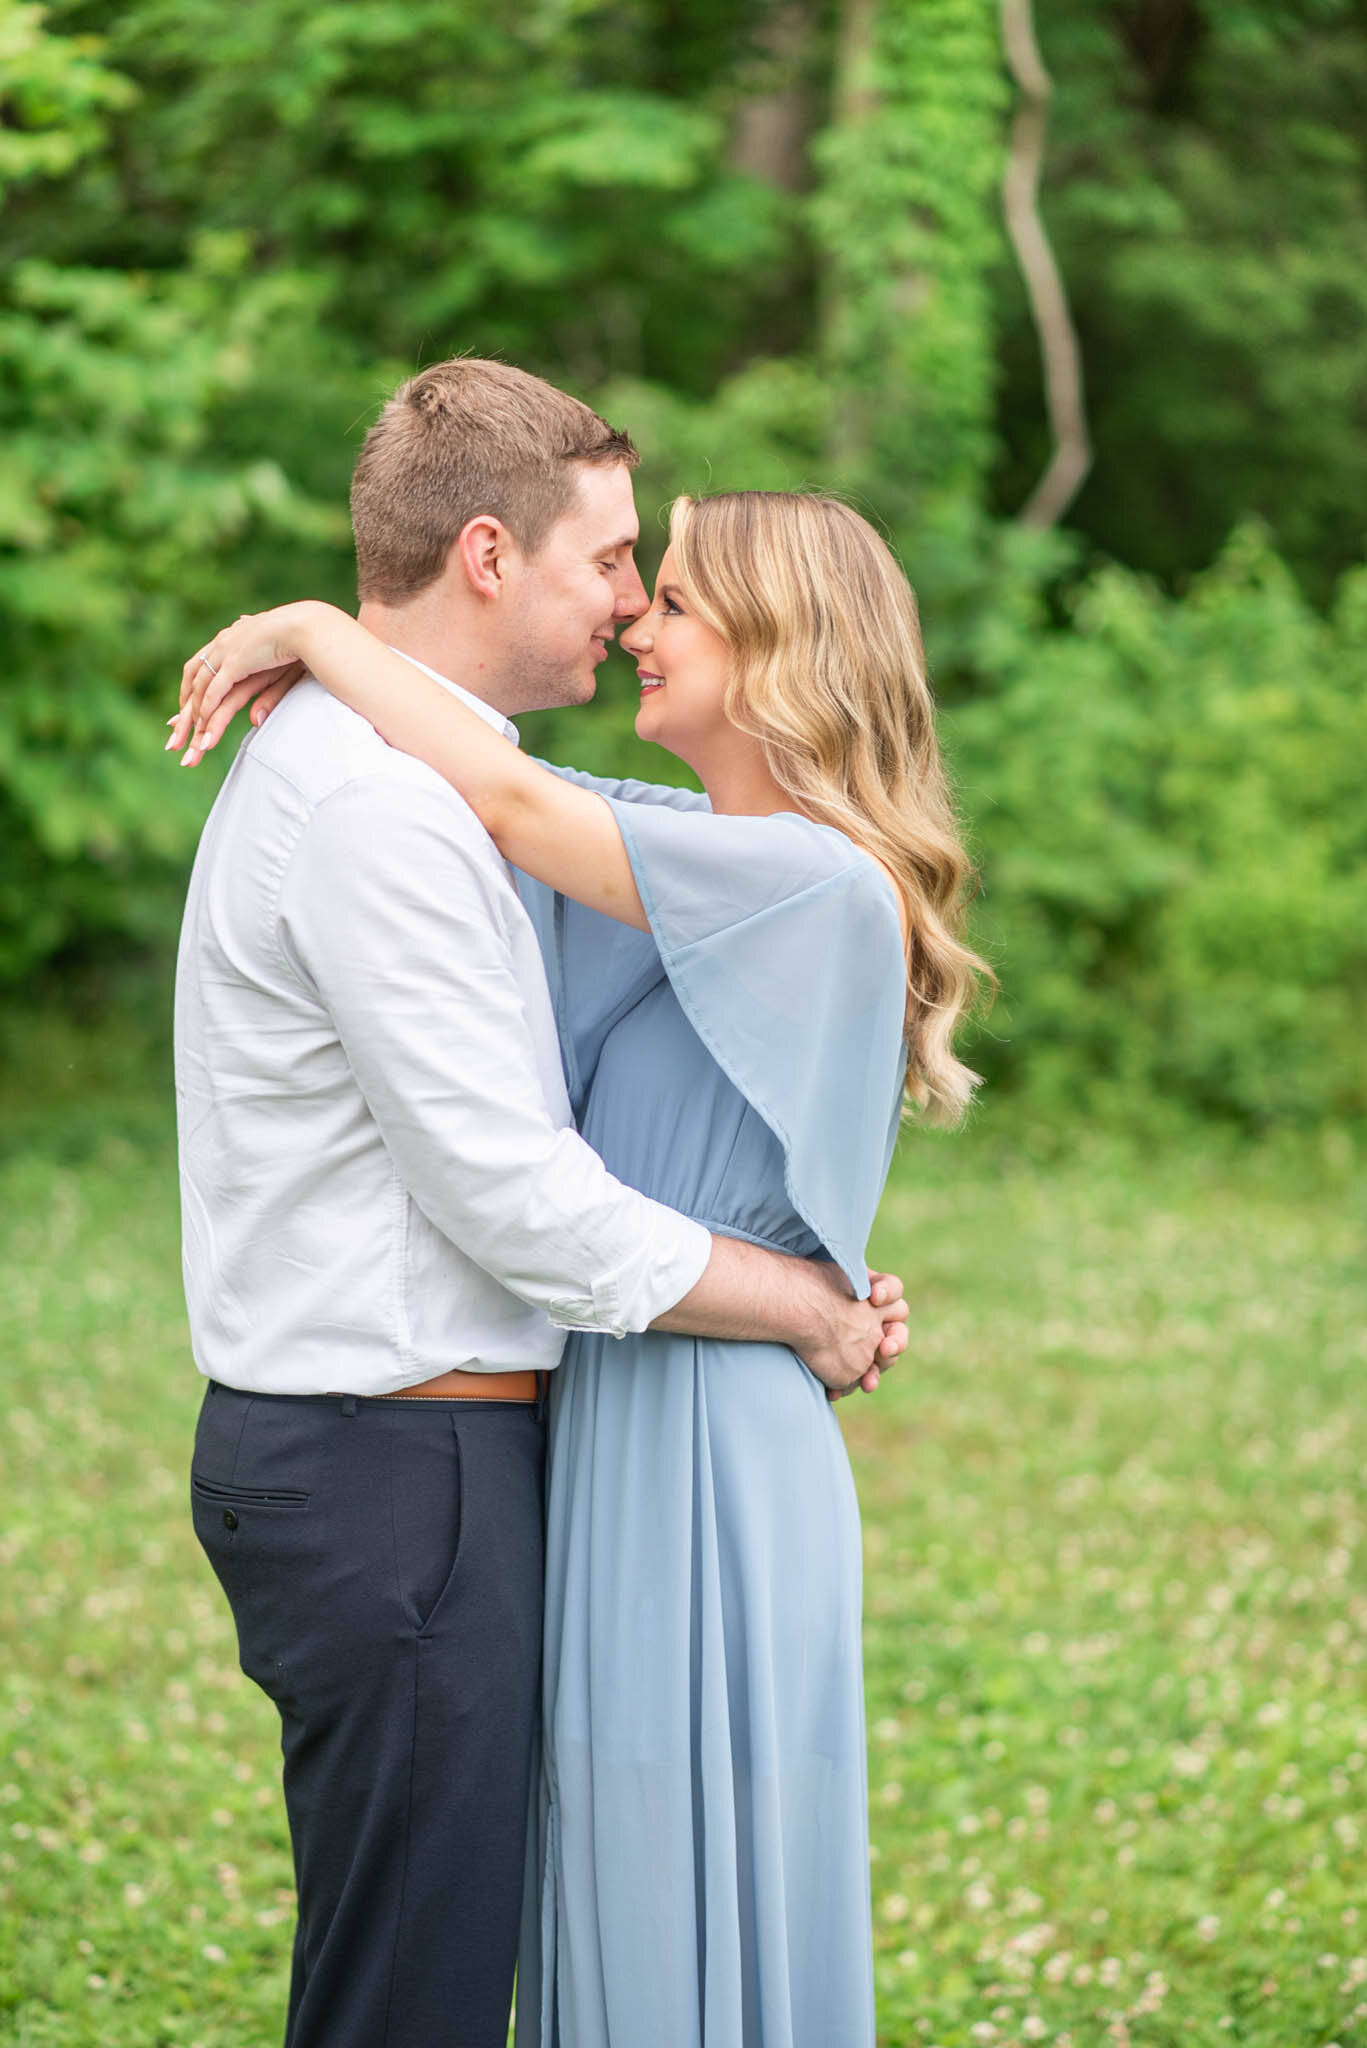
{"x":657,"y":1277}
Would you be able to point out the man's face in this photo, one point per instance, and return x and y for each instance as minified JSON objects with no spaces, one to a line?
{"x":571,"y":596}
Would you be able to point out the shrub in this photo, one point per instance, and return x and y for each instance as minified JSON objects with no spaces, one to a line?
{"x":1168,"y":803}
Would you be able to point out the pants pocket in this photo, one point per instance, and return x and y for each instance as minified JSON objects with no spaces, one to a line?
{"x":425,"y":1483}
{"x":213,"y":1492}
{"x":241,"y":1532}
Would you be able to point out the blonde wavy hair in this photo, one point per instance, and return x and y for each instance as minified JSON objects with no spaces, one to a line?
{"x":828,"y":674}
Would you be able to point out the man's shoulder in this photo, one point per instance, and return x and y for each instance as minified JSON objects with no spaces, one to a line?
{"x":323,"y":750}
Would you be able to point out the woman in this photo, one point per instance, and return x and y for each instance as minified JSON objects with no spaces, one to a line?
{"x":744,"y":983}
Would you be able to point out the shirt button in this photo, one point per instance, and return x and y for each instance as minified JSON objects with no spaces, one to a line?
{"x":229,"y":1519}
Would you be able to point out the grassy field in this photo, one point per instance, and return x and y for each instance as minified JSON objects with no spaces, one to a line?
{"x":1116,"y":1613}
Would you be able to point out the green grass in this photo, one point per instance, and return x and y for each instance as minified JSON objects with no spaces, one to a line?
{"x":1116,"y":1619}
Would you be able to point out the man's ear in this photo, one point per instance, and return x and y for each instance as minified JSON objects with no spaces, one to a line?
{"x":481,"y":553}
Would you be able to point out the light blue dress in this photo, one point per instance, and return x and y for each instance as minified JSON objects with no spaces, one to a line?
{"x":699,"y":1873}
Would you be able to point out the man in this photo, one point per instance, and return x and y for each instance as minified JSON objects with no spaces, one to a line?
{"x":390,"y":1221}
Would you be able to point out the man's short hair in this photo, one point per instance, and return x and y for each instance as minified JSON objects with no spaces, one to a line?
{"x":462,"y":438}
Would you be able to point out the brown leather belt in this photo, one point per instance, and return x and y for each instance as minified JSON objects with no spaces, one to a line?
{"x":473,"y":1386}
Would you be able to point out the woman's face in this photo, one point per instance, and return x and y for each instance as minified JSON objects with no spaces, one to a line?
{"x":683,"y":668}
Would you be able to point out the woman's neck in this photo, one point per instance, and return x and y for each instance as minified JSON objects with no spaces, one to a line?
{"x":741,"y":785}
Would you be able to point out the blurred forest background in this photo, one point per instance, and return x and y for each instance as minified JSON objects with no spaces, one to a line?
{"x":1115,"y":1616}
{"x":768,"y":239}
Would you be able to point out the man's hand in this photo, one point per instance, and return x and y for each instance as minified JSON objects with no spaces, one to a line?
{"x":847,"y":1343}
{"x":749,"y":1293}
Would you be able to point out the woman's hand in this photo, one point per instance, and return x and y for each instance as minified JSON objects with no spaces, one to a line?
{"x":887,"y":1298}
{"x":260,"y":657}
{"x":846,"y":1343}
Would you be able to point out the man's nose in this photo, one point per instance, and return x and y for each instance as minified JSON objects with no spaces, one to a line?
{"x":631,"y":598}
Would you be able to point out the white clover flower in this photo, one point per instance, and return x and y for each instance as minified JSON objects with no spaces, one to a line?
{"x":1022,"y":1902}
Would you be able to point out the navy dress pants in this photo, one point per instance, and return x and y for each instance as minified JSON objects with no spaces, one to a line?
{"x":383,"y":1562}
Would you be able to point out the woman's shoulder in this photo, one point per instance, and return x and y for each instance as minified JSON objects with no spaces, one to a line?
{"x":804,"y":886}
{"x":884,"y":869}
{"x":865,"y":873}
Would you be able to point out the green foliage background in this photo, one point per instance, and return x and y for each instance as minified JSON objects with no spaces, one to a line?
{"x":766,"y":239}
{"x":1115,"y":1624}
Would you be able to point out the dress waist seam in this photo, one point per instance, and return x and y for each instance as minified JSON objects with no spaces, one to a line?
{"x":768,"y":1244}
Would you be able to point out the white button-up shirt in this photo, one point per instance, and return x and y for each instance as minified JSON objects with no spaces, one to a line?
{"x":380,"y":1176}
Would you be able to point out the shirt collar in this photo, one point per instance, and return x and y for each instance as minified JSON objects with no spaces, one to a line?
{"x":476,"y":704}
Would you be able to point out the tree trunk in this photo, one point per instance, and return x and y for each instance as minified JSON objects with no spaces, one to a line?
{"x":1059,"y":352}
{"x":854,"y":99}
{"x":907,"y":230}
{"x":773,"y":120}
{"x":856,"y":92}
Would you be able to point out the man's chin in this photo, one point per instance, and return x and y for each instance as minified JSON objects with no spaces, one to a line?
{"x":550,"y":692}
{"x":577,"y":690}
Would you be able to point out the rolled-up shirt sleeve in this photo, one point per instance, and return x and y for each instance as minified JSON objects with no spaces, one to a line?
{"x":391,"y":916}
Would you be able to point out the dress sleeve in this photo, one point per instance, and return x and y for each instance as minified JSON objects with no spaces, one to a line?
{"x":783,"y":945}
{"x":630,"y":791}
{"x":597,"y":968}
